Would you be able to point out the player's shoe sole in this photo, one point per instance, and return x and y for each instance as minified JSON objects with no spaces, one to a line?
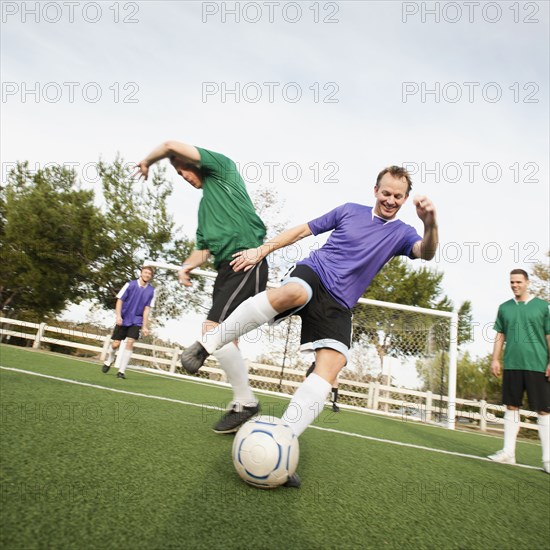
{"x":193,"y":358}
{"x":233,"y":419}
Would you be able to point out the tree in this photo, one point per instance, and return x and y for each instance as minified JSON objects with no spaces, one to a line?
{"x":474,"y":378}
{"x":51,"y":234}
{"x":139,"y":227}
{"x":399,"y":282}
{"x":540,"y":279}
{"x":268,"y":205}
{"x":58,"y":248}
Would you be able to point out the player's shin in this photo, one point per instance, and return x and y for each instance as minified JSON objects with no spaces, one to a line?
{"x":126,"y":354}
{"x":307,"y":403}
{"x":232,"y":362}
{"x":251,"y":314}
{"x":511,"y":429}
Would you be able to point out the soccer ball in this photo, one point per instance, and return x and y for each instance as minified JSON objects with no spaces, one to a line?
{"x":265,"y":452}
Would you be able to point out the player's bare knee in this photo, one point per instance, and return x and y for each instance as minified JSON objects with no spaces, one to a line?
{"x":130,"y":343}
{"x":329,"y":363}
{"x":292,"y":295}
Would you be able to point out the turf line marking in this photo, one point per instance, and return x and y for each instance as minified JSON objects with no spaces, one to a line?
{"x":97,"y":387}
{"x":421,"y":447}
{"x":331,"y":430}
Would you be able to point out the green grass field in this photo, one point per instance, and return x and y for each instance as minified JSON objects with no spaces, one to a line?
{"x":88,"y":466}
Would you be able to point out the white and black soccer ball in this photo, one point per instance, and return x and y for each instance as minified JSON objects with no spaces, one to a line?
{"x":265,"y":452}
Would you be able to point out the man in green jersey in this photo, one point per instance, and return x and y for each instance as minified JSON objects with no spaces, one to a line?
{"x":523,"y":324}
{"x":227,"y":223}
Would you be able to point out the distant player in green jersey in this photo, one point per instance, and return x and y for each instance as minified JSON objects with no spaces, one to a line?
{"x":227,"y":223}
{"x":523,"y":330}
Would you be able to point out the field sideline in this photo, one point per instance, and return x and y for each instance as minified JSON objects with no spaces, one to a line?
{"x":88,"y":460}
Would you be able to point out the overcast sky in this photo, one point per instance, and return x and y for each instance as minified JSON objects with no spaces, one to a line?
{"x":312,"y":98}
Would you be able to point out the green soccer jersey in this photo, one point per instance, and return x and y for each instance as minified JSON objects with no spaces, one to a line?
{"x":228,"y":221}
{"x":525,"y":326}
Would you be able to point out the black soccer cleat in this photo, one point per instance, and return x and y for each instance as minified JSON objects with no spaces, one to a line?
{"x":105,"y":368}
{"x":335,"y":408}
{"x":293,"y":481}
{"x":121,"y":375}
{"x":193,"y":358}
{"x":233,"y":419}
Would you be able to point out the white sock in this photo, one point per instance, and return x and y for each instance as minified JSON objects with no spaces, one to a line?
{"x":544,"y":434}
{"x":511,"y":429}
{"x":251,"y":314}
{"x":232,"y":362}
{"x":110,"y":355}
{"x":126,"y":354}
{"x":307,"y":403}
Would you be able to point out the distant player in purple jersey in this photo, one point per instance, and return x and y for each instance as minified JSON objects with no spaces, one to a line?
{"x":324,"y":287}
{"x":133,"y":305}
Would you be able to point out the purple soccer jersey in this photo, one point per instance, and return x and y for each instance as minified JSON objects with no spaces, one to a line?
{"x":135,"y":299}
{"x":359,"y":246}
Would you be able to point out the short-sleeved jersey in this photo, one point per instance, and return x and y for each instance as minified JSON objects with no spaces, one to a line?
{"x":135,"y":299}
{"x":359,"y":246}
{"x":525,"y":326}
{"x":227,"y":221}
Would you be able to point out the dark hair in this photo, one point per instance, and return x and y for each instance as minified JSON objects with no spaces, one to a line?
{"x":520,"y":272}
{"x":396,"y":172}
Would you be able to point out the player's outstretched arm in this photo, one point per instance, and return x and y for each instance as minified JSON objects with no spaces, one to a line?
{"x":246,"y":259}
{"x":425,"y":209}
{"x":183,"y":151}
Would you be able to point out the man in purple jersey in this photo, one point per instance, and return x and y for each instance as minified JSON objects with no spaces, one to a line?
{"x":324,"y":287}
{"x":134,"y":302}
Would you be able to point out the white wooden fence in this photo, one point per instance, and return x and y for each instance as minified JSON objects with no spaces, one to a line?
{"x":373,"y":396}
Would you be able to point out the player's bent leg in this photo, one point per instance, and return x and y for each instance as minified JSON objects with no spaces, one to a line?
{"x":109,"y":358}
{"x":309,"y":399}
{"x":125,"y":359}
{"x":290,"y":296}
{"x":328,"y":364}
{"x":251,"y":314}
{"x":235,"y":417}
{"x":244,"y":405}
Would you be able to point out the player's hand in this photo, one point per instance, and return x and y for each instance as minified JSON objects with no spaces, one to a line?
{"x":425,"y":209}
{"x":119,"y":321}
{"x":184,"y":277}
{"x":142,"y":170}
{"x":548,"y":372}
{"x":495,"y":368}
{"x":246,"y":259}
{"x":145,"y":331}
